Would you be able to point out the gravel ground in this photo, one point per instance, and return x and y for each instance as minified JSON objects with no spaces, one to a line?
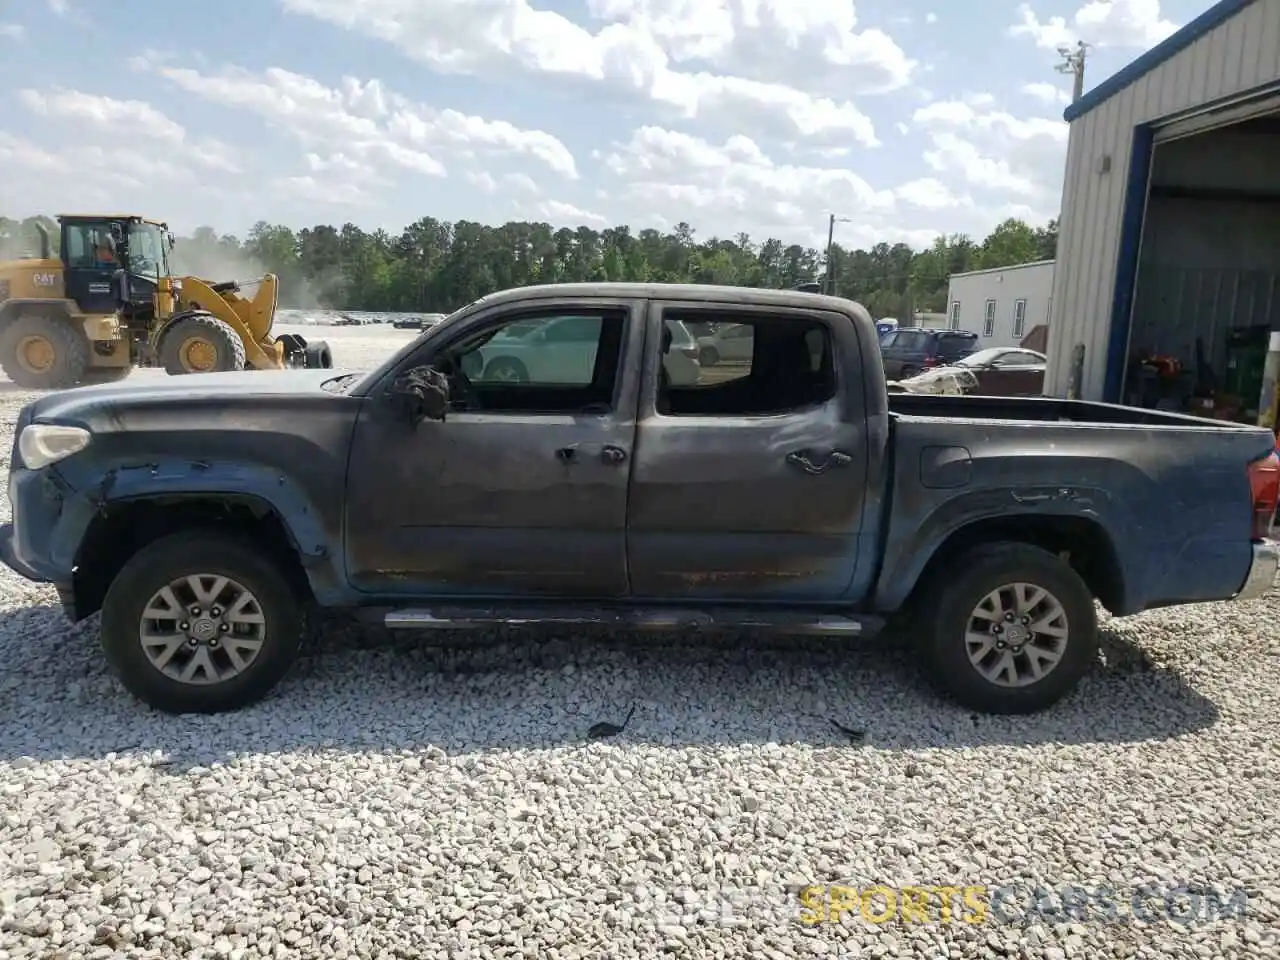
{"x":402,"y":799}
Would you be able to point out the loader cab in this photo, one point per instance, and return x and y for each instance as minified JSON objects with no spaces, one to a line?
{"x":114,"y":262}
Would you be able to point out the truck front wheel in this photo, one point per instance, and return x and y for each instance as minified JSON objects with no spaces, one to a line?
{"x":201,"y":622}
{"x":1013,"y":629}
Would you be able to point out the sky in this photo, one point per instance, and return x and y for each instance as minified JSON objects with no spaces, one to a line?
{"x":904,"y":118}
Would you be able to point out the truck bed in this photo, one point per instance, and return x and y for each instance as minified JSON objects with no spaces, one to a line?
{"x":1168,"y":493}
{"x":1048,"y":410}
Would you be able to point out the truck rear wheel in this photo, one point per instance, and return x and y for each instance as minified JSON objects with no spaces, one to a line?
{"x":1013,"y":629}
{"x":43,"y":352}
{"x":201,"y":343}
{"x":201,"y":622}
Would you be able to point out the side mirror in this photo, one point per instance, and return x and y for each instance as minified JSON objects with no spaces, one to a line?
{"x":172,"y":242}
{"x":421,"y":394}
{"x":117,"y":232}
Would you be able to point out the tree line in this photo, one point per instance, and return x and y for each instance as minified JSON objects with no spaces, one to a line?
{"x":437,"y":266}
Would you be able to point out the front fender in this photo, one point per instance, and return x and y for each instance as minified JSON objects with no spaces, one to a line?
{"x":318,"y":548}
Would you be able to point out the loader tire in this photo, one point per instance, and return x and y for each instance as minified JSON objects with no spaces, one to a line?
{"x":319,"y":356}
{"x":201,"y":343}
{"x":43,"y":353}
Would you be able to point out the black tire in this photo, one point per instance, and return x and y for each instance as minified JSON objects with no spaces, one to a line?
{"x":506,"y":369}
{"x":295,"y":350}
{"x":708,"y":357}
{"x":227,"y":347}
{"x":70,"y":349}
{"x":202,"y":552}
{"x":954,"y":596}
{"x":319,"y":356}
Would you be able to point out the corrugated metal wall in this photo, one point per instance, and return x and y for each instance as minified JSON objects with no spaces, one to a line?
{"x":1239,"y":55}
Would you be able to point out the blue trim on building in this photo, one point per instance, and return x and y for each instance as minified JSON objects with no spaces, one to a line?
{"x":1135,"y":208}
{"x":1215,"y":16}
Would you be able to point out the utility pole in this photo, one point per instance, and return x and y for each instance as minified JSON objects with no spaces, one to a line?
{"x":828,"y":281}
{"x":1073,"y":63}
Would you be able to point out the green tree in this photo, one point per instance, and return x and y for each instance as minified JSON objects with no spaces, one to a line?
{"x":435,"y":266}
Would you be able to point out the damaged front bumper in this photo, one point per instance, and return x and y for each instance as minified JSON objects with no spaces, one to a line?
{"x":1262,"y":570}
{"x":9,"y":557}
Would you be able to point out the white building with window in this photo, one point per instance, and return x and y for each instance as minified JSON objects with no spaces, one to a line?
{"x":1002,"y":305}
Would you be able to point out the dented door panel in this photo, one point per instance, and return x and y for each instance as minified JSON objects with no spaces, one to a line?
{"x":495,"y":504}
{"x":750,"y":507}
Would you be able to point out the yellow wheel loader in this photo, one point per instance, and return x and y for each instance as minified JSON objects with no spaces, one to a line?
{"x":107,"y":303}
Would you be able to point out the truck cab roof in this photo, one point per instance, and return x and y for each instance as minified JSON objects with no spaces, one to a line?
{"x":694,"y":292}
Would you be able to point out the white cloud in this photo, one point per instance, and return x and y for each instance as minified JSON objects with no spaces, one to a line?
{"x":486,"y":182}
{"x":1104,"y":23}
{"x":14,"y":31}
{"x":104,"y":113}
{"x":1047,"y":93}
{"x":141,"y":119}
{"x":994,"y":151}
{"x":25,"y":162}
{"x":323,"y":192}
{"x":930,"y":193}
{"x":765,"y":64}
{"x":566,"y":214}
{"x":930,"y":18}
{"x":367,"y":120}
{"x":677,"y":176}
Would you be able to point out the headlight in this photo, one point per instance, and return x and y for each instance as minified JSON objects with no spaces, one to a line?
{"x":41,"y":444}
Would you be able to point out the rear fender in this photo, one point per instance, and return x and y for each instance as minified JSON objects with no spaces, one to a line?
{"x":908,"y":553}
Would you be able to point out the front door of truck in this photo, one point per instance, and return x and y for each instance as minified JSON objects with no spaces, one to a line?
{"x":522,"y":489}
{"x":751,"y":483}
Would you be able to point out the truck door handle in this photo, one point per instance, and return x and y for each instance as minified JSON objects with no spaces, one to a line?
{"x":609,"y":453}
{"x":836,"y":458}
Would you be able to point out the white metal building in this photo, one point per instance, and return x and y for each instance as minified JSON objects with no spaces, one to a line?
{"x":1169,"y":233}
{"x":1001,"y":305}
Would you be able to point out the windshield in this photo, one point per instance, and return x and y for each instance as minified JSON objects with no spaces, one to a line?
{"x":146,"y":249}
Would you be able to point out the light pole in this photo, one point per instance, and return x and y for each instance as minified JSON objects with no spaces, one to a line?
{"x":828,"y":281}
{"x":1073,"y":63}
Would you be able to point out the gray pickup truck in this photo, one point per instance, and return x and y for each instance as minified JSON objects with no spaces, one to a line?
{"x":536,"y":457}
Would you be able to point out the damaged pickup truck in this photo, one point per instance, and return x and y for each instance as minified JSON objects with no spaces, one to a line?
{"x":580,"y":469}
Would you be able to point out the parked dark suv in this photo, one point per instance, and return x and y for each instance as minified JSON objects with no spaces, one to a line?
{"x":910,"y":350}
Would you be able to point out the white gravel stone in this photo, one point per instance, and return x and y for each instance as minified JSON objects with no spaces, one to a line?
{"x":400,"y":798}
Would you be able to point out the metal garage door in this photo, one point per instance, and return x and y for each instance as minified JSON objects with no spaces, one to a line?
{"x":1248,"y":106}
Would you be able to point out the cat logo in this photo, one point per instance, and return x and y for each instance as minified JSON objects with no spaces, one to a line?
{"x":44,"y":279}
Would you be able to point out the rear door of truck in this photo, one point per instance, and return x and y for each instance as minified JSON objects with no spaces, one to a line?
{"x":752,"y":483}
